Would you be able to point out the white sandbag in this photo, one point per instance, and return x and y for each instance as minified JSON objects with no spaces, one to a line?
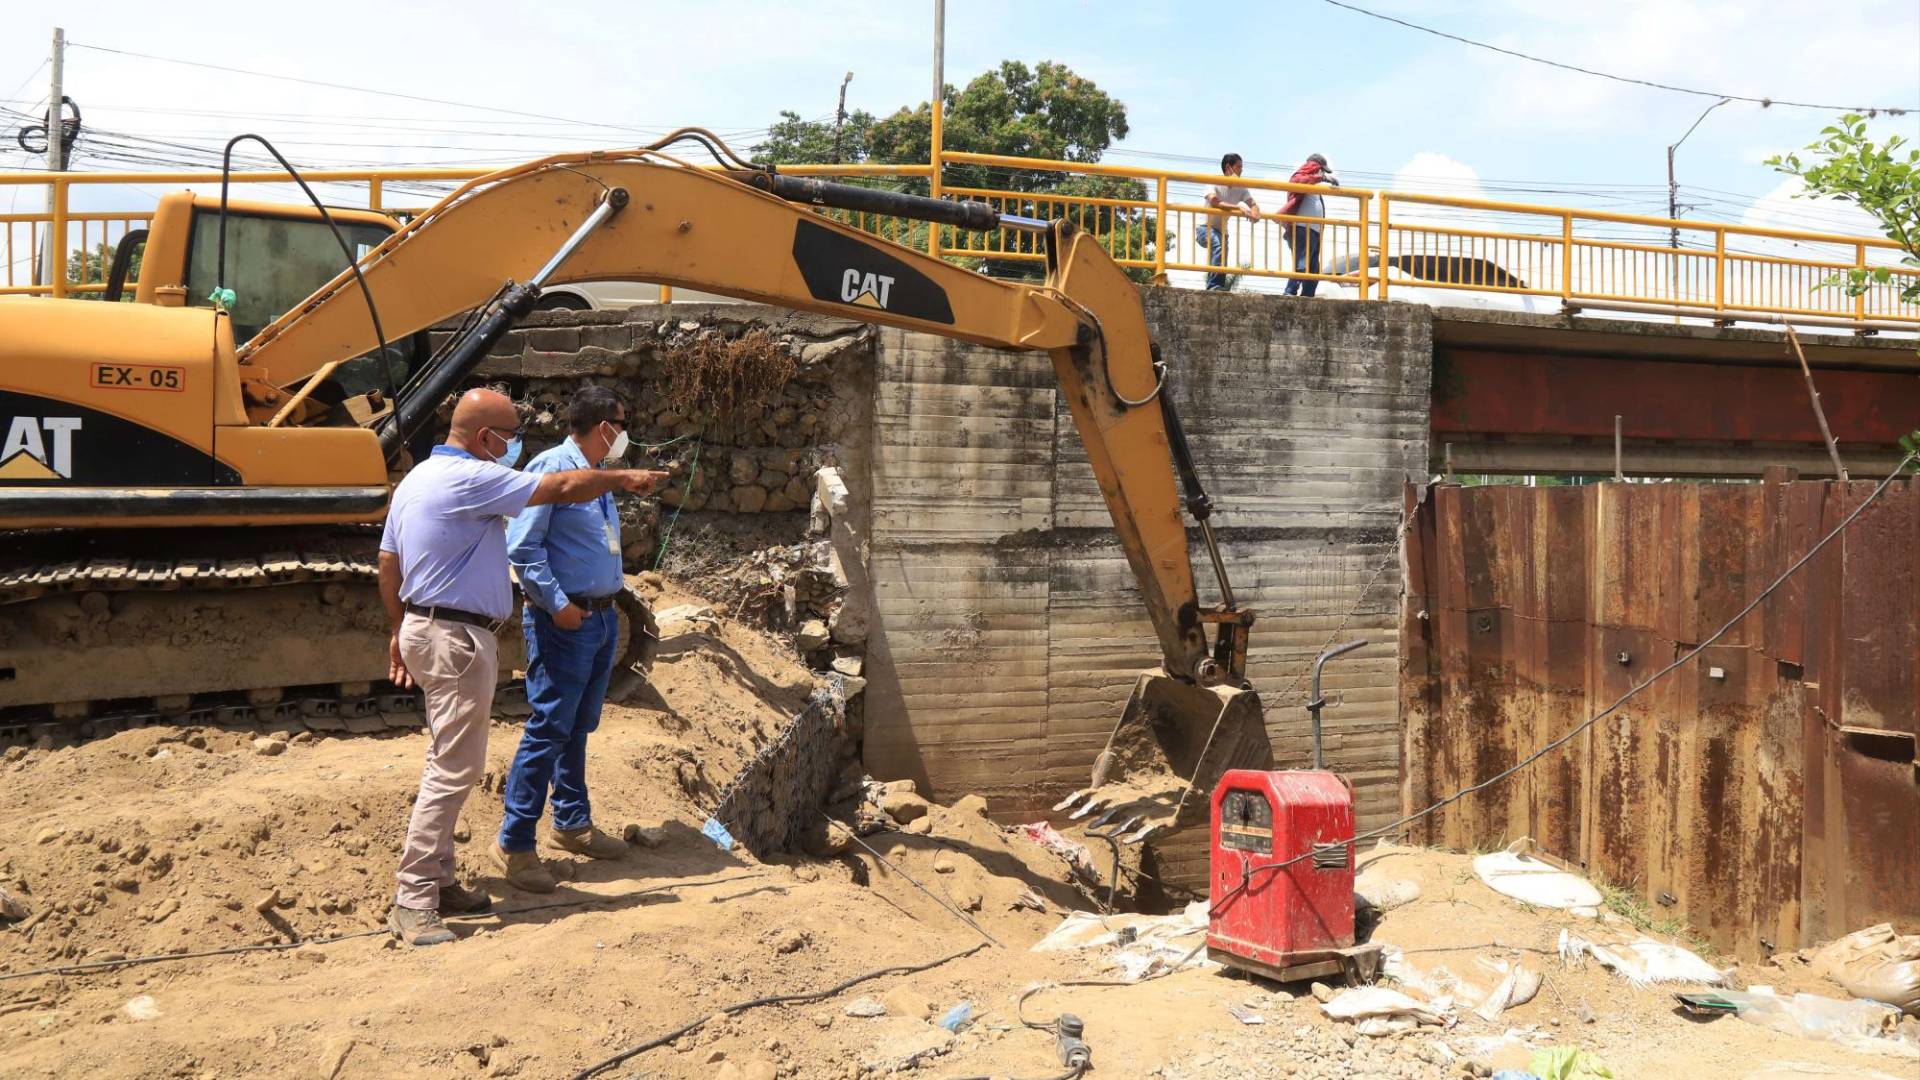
{"x":1644,"y":962}
{"x":1395,"y":1010}
{"x":1515,"y":874}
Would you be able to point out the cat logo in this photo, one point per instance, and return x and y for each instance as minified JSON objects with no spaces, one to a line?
{"x":866,"y":290}
{"x":38,"y":448}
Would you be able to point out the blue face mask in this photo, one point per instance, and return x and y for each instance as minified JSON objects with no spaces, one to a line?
{"x":511,"y":455}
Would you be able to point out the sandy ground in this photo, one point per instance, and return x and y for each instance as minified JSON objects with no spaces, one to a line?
{"x":158,"y":841}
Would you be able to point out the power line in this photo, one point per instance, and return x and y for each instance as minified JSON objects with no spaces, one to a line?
{"x":1763,"y":102}
{"x":349,"y":88}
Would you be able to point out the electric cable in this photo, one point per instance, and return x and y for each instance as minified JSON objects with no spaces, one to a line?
{"x":957,"y":913}
{"x":353,"y":264}
{"x":1761,"y":101}
{"x":804,"y":998}
{"x":277,"y":946}
{"x":1247,"y":876}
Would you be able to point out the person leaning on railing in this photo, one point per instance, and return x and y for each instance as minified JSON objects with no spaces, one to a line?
{"x":1304,"y":236}
{"x":1214,"y":234}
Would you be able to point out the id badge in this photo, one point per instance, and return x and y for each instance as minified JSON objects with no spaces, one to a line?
{"x":613,"y":541}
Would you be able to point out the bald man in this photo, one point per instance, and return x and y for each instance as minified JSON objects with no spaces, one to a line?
{"x":443,"y":576}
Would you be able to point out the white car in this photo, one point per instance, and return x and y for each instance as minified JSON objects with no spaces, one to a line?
{"x":1408,"y":279}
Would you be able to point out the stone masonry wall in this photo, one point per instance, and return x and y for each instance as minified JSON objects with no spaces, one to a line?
{"x":759,"y":461}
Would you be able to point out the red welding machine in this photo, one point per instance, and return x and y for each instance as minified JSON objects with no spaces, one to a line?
{"x":1281,"y":877}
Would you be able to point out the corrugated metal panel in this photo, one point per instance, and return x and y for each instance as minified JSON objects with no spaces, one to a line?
{"x":1766,"y":792}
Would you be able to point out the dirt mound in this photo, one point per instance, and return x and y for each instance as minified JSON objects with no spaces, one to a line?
{"x":155,"y":841}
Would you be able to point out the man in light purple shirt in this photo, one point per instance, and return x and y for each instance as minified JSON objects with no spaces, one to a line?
{"x":443,"y":577}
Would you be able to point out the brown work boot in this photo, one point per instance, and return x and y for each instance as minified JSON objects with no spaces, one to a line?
{"x":589,"y":841}
{"x":417,"y":927}
{"x":523,"y":870}
{"x":456,"y":900}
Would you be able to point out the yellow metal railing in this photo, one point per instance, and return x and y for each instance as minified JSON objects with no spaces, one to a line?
{"x":1370,"y":243}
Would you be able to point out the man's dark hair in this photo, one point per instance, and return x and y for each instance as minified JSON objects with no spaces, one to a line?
{"x":1229,"y":162}
{"x":1317,"y":159}
{"x":590,"y":406}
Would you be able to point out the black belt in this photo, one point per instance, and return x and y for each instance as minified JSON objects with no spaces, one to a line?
{"x":594,"y":603}
{"x":487,"y":623}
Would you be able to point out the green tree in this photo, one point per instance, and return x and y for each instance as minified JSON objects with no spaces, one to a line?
{"x":1844,"y":164}
{"x":1046,"y":111}
{"x":90,"y":267}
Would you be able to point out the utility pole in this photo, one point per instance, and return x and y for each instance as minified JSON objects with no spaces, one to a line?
{"x":939,"y":98}
{"x":50,"y":260}
{"x":840,"y":116}
{"x":1673,"y":186}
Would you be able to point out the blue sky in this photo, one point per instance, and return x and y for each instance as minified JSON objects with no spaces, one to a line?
{"x":1273,"y":81}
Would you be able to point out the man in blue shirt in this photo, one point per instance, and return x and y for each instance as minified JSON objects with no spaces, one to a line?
{"x":443,"y":579}
{"x":568,"y":559}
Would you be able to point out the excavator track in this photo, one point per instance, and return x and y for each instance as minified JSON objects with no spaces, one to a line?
{"x":103,"y":631}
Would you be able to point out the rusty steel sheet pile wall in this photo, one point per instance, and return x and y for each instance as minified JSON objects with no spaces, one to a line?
{"x":1008,"y":630}
{"x":1766,"y":792}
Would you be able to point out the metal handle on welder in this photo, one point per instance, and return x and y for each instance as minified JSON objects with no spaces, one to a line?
{"x":1315,"y":702}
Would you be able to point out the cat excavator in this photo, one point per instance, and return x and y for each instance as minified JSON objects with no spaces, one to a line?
{"x":190,"y":482}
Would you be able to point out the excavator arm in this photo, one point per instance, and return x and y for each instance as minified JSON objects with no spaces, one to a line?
{"x":699,"y":229}
{"x":637,"y":216}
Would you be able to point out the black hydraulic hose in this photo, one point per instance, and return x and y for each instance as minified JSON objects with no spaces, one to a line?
{"x":353,"y":264}
{"x":961,"y":214}
{"x":1199,"y":505}
{"x":450,"y":366}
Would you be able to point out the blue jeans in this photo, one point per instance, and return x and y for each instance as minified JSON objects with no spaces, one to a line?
{"x":1216,"y":241}
{"x":1305,"y":242}
{"x":567,"y":672}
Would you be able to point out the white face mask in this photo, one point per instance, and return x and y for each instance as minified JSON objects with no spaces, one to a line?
{"x":619,"y":448}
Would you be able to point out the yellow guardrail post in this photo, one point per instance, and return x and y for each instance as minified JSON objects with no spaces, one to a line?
{"x":1860,"y":261}
{"x":57,"y":240}
{"x":1160,"y":231}
{"x":373,"y":193}
{"x":1720,"y":269}
{"x":1566,"y":257}
{"x":1386,"y":214}
{"x":1364,"y":289}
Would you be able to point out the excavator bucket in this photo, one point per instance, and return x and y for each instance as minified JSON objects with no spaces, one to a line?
{"x":1161,"y":763}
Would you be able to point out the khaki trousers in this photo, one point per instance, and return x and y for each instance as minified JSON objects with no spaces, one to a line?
{"x":455,"y":666}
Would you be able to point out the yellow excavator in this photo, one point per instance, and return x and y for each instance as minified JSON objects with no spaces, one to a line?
{"x":188,"y":482}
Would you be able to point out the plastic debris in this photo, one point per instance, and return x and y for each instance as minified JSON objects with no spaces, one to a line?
{"x":1376,"y":1010}
{"x":1141,"y":944}
{"x":717,"y":833}
{"x":1048,"y":837}
{"x":1245,"y":1015}
{"x":1518,"y":988}
{"x":1516,"y":874}
{"x":1568,"y":1063}
{"x":1867,"y":1026}
{"x":1643,"y":962}
{"x":1877,"y":964}
{"x":1514,"y":1074}
{"x":954,"y":1017}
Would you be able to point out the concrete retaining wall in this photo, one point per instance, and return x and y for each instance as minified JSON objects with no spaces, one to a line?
{"x":1006,"y":631}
